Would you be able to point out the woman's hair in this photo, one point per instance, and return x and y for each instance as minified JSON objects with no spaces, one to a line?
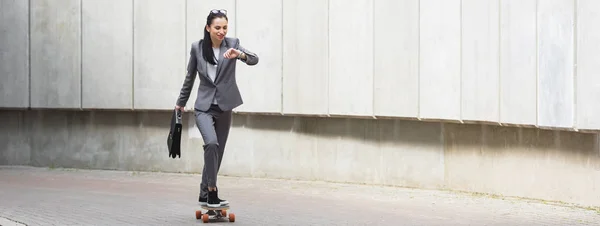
{"x":207,"y":51}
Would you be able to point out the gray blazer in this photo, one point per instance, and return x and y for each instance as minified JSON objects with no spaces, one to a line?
{"x":225,"y":88}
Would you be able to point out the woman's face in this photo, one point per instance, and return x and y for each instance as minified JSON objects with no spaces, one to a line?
{"x":218,"y":29}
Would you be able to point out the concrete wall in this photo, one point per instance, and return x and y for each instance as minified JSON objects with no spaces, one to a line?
{"x":521,"y":63}
{"x":55,"y":54}
{"x":527,"y":162}
{"x":525,"y":63}
{"x":107,"y":54}
{"x":518,"y":60}
{"x":14,"y":54}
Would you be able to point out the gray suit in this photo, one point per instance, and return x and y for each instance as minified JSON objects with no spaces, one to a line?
{"x":225,"y":88}
{"x":212,"y":120}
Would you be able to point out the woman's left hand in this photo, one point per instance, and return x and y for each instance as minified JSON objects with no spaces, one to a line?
{"x":231,"y":53}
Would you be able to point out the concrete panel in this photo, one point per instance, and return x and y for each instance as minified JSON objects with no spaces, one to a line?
{"x":588,"y":64}
{"x":55,"y":32}
{"x":556,"y":21}
{"x":412,"y":154}
{"x":439,"y":86}
{"x":14,"y":54}
{"x":305,"y":57}
{"x":160,"y":52}
{"x":518,"y":62}
{"x":260,"y":33}
{"x":108,"y":140}
{"x":15,"y":148}
{"x":480,"y":87}
{"x":107,"y":54}
{"x":390,"y":152}
{"x":540,"y":164}
{"x":197,"y":11}
{"x":351,"y":57}
{"x":396,"y":72}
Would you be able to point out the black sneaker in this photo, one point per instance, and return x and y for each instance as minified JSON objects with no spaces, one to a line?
{"x":213,"y":200}
{"x":204,"y":201}
{"x":222,"y":201}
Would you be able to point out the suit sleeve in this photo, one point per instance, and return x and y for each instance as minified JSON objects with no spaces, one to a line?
{"x":188,"y":83}
{"x":251,"y":58}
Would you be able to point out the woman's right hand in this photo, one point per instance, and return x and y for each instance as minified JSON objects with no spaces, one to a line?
{"x":179,"y":108}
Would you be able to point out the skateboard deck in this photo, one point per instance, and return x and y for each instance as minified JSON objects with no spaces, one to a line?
{"x":219,"y":213}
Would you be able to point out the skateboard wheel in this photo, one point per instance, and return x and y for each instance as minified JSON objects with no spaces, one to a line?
{"x":223,"y":212}
{"x":198,"y":214}
{"x":231,"y":217}
{"x":205,"y":218}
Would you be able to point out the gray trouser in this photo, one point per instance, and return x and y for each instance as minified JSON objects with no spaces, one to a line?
{"x":214,"y":126}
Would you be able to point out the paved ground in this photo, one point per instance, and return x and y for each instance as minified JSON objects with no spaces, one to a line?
{"x":40,"y":196}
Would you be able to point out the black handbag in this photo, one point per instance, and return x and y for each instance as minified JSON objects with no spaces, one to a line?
{"x":174,"y":139}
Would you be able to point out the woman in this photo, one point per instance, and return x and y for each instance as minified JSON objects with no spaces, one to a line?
{"x":214,"y":59}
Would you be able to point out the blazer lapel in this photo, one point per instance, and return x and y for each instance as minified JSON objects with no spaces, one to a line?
{"x":204,"y":65}
{"x":222,"y":50}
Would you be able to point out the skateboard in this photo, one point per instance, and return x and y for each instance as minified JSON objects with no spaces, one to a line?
{"x":220,"y":213}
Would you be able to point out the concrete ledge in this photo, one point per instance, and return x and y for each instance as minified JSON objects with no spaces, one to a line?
{"x":561,"y":166}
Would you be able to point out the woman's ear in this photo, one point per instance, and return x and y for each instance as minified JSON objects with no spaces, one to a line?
{"x":207,"y":28}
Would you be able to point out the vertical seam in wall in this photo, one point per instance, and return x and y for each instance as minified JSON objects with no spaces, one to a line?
{"x":185,"y":46}
{"x":373,"y":59}
{"x":443,"y":158}
{"x":598,"y":144}
{"x":24,"y":115}
{"x":29,"y":51}
{"x":575,"y":52}
{"x":460,"y":110}
{"x":235,"y":19}
{"x":499,"y":62}
{"x":419,"y":61}
{"x":132,"y":55}
{"x":328,"y":57}
{"x":281,"y":58}
{"x":81,"y":54}
{"x":185,"y":37}
{"x":376,"y":123}
{"x":185,"y":33}
{"x":537,"y":62}
{"x":232,"y":18}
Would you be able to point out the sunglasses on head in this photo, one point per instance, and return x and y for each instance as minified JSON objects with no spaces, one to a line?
{"x":217,"y":11}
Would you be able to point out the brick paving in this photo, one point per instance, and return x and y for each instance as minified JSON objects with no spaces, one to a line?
{"x":41,"y":196}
